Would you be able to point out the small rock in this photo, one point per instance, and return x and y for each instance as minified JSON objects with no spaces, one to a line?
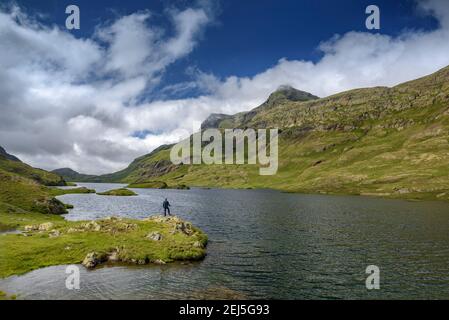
{"x":159,"y":261}
{"x":113,"y":257}
{"x":91,"y":260}
{"x":55,"y":234}
{"x":46,"y":226}
{"x":198,"y":244}
{"x":92,"y":225}
{"x":183,"y":227}
{"x":31,"y":228}
{"x":155,"y":236}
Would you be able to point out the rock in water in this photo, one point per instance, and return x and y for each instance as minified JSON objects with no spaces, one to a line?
{"x":92,"y":260}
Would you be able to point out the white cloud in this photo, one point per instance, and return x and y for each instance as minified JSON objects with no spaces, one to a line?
{"x":79,"y":107}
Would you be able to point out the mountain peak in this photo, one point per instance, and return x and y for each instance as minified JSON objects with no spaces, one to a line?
{"x":287,"y":92}
{"x":8,"y":156}
{"x":214,"y":120}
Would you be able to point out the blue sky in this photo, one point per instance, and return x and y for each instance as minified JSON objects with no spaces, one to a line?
{"x":246,"y":37}
{"x":139,"y":74}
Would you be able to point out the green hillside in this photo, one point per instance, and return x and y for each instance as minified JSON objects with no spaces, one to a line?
{"x":71,"y":175}
{"x":11,"y":164}
{"x":379,"y":141}
{"x":24,"y":188}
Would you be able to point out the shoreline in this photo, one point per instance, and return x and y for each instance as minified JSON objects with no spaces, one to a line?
{"x":52,"y":240}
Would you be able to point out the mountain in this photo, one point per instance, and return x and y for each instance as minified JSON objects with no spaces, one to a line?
{"x":11,"y":164}
{"x":144,"y":168}
{"x":382,"y":141}
{"x":71,"y":175}
{"x":24,"y":188}
{"x":284,"y":94}
{"x":6,"y":155}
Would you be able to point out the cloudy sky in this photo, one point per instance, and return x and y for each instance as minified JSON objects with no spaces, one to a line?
{"x":137,"y":75}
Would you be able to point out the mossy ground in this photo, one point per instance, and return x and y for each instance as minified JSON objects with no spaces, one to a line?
{"x":80,"y":190}
{"x":158,"y":185}
{"x":5,"y":296}
{"x":149,"y":185}
{"x":20,"y":254}
{"x":123,"y":192}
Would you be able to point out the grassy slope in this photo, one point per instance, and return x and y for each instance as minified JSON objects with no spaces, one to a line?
{"x":383,"y":141}
{"x":26,"y":171}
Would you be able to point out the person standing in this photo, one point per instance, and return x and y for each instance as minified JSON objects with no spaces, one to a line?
{"x":166,"y":206}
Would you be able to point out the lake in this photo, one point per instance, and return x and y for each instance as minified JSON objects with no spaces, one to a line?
{"x":266,"y":244}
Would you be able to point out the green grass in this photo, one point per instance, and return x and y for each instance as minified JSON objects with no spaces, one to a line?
{"x":20,"y":254}
{"x":71,"y":184}
{"x":389,"y":142}
{"x":158,"y":185}
{"x":81,"y":190}
{"x":123,"y":192}
{"x":149,"y":185}
{"x":25,"y":205}
{"x":40,"y":176}
{"x":4,"y":296}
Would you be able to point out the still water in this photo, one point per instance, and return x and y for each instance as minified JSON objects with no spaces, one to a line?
{"x":269,"y":245}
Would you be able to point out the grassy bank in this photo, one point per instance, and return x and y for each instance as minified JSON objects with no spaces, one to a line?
{"x":47,"y":239}
{"x":5,"y":296}
{"x":50,"y":240}
{"x":158,"y":185}
{"x":118,"y":193}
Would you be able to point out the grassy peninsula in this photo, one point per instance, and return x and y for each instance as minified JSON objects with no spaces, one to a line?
{"x":123,"y":192}
{"x":44,"y":238}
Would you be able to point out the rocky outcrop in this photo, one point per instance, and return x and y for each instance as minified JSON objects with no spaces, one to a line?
{"x":178,"y":225}
{"x":155,"y":236}
{"x":6,"y":155}
{"x":110,"y":225}
{"x":50,"y":206}
{"x":93,"y":259}
{"x":47,"y":226}
{"x":214,"y":120}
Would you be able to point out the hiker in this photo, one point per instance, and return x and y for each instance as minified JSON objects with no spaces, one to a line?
{"x":166,"y":206}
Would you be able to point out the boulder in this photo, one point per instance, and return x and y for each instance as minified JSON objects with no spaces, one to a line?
{"x":155,"y":236}
{"x":183,"y":227}
{"x":55,"y":234}
{"x":92,"y":259}
{"x":114,"y":256}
